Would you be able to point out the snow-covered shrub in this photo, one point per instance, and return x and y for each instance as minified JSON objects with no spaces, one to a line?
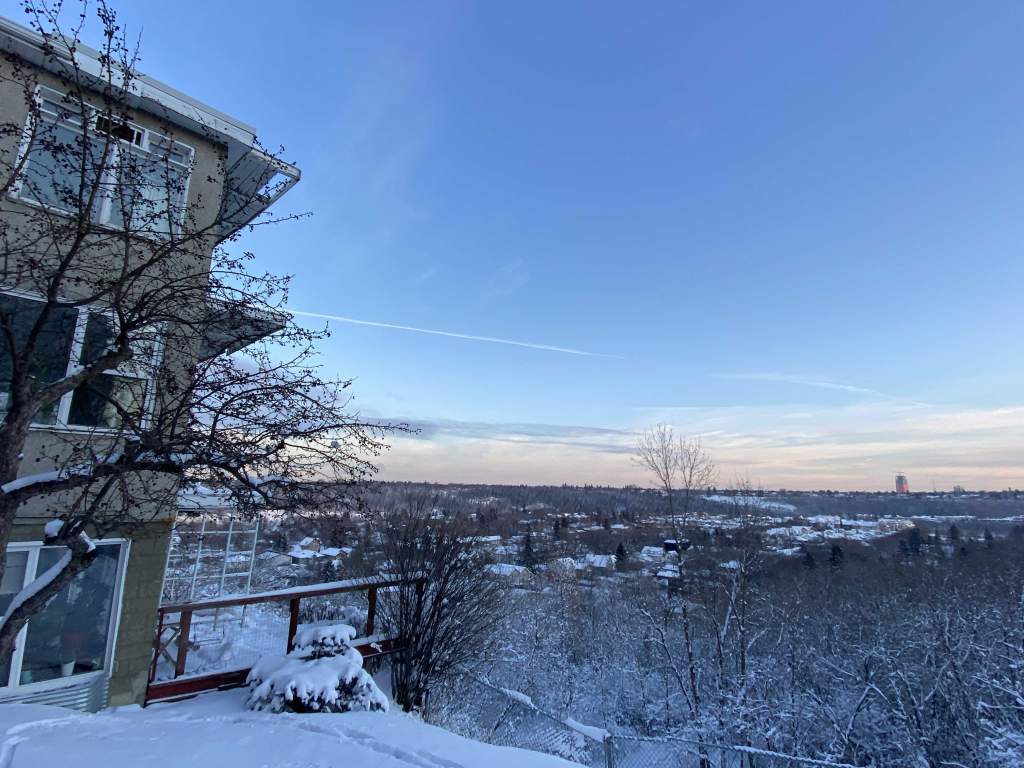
{"x":323,"y":674}
{"x":327,"y":611}
{"x":320,"y":640}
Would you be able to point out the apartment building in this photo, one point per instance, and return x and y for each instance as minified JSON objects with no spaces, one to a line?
{"x":92,"y":645}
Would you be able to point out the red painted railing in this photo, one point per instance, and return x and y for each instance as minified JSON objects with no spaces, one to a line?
{"x":370,"y":646}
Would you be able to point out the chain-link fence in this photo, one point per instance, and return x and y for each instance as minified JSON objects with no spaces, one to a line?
{"x":639,"y":752}
{"x":477,"y":709}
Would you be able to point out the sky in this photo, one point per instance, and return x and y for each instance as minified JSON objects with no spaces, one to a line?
{"x":792,"y":229}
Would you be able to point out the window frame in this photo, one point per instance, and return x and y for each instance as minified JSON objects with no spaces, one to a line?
{"x":74,"y":365}
{"x":15,"y":687}
{"x":149,"y":143}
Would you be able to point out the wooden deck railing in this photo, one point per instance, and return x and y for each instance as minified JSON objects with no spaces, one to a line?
{"x":369,"y":645}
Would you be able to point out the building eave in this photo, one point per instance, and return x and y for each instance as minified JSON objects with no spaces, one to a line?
{"x":255,"y":179}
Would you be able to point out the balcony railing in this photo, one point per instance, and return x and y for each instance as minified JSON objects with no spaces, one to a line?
{"x":185,"y":663}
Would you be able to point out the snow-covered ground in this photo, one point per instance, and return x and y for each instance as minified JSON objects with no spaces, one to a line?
{"x":215,"y":730}
{"x":751,"y":502}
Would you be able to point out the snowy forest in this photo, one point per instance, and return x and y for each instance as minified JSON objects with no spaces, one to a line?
{"x":911,"y":662}
{"x":872,"y":641}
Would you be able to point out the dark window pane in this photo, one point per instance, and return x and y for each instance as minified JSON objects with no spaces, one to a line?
{"x":13,"y":580}
{"x":97,"y":403}
{"x":70,"y":635}
{"x":49,"y":360}
{"x":100,"y":336}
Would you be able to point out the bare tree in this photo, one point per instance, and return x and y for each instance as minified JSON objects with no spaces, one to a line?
{"x":448,"y":618}
{"x":678,"y":464}
{"x":124,"y":308}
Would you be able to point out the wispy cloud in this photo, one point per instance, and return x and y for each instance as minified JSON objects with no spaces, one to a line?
{"x":451,"y":450}
{"x":855,"y":445}
{"x":602,"y":439}
{"x":807,"y":381}
{"x":453,"y":335}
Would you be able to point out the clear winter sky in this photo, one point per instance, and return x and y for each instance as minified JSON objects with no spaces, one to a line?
{"x":793,"y":228}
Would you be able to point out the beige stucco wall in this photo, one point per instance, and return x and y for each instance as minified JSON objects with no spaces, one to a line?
{"x":150,"y":540}
{"x":143,"y":580}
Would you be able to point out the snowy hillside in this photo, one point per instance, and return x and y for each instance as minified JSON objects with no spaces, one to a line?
{"x":217,"y":731}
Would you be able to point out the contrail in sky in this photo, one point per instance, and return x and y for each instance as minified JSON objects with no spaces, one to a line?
{"x":451,"y":335}
{"x":806,"y":381}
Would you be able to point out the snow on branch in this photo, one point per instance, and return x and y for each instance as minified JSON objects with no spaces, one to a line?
{"x":37,"y":585}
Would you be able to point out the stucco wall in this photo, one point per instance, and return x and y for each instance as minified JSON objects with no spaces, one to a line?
{"x":151,"y":537}
{"x":143,"y":580}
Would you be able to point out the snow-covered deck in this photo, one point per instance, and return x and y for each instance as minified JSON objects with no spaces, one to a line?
{"x":190,"y":659}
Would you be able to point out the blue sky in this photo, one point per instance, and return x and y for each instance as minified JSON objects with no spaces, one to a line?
{"x":793,"y":228}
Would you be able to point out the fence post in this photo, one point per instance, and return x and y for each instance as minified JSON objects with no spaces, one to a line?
{"x":609,"y":751}
{"x":184,"y":631}
{"x":371,"y":609}
{"x":157,"y":642}
{"x":293,"y":622}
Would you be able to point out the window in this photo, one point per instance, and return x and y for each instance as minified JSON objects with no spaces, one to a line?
{"x":72,"y":338}
{"x":73,"y":635}
{"x":150,"y":193}
{"x":102,"y":401}
{"x":53,"y":348}
{"x":15,"y":571}
{"x":142,"y":181}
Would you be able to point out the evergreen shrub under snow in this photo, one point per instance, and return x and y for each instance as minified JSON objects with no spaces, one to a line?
{"x":323,"y":674}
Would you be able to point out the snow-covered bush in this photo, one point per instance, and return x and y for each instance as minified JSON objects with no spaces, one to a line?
{"x":321,"y":640}
{"x":323,"y":674}
{"x":327,"y":611}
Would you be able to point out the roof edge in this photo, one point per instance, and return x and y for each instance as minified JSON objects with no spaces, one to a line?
{"x":21,"y":40}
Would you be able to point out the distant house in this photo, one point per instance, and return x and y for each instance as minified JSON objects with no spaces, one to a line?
{"x":271,"y":559}
{"x":563,"y":567}
{"x":651,"y":554}
{"x":506,"y":550}
{"x":601,"y":564}
{"x":668,"y":575}
{"x":675,"y":545}
{"x":311,"y":549}
{"x":300,"y":556}
{"x":516,"y":575}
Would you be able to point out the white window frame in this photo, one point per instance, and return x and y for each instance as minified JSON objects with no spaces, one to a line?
{"x":74,"y":366}
{"x":15,"y":687}
{"x":147,"y":143}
